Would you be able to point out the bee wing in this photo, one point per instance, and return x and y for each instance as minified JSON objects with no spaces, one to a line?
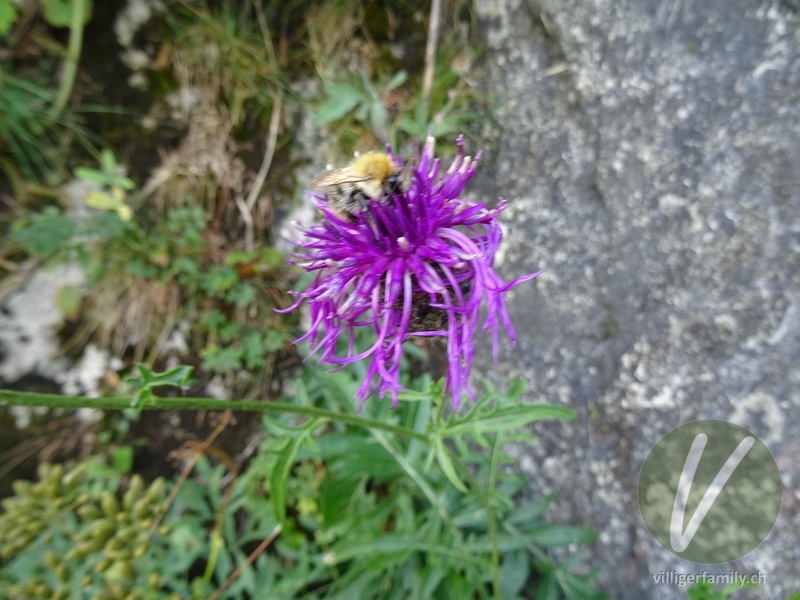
{"x":337,"y":176}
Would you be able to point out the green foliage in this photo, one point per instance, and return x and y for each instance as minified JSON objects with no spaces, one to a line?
{"x":130,"y":258}
{"x":149,"y":380}
{"x":30,"y":139}
{"x":59,"y":12}
{"x":361,"y":105}
{"x":52,"y":233}
{"x":379,"y":94}
{"x":354,"y":513}
{"x":76,"y":534}
{"x":706,"y":590}
{"x":109,"y":174}
{"x":113,"y":184}
{"x":45,"y":233}
{"x":365,"y":100}
{"x":391,"y":521}
{"x":37,"y":129}
{"x":8,"y":16}
{"x":230,"y":36}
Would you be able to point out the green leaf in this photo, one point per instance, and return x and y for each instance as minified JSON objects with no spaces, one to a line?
{"x":528,"y":512}
{"x":547,"y":589}
{"x":514,"y":572}
{"x":445,"y":462}
{"x":516,"y":388}
{"x":559,"y":535}
{"x":442,"y":127}
{"x":101,"y":200}
{"x":283,"y":467}
{"x":59,"y":12}
{"x":221,"y":360}
{"x":91,"y":175}
{"x":577,"y":587}
{"x":122,"y":460}
{"x":355,"y":455}
{"x":219,"y":280}
{"x":8,"y":16}
{"x":47,"y":232}
{"x":253,"y":350}
{"x":502,"y":418}
{"x":341,"y":100}
{"x":107,"y":162}
{"x":428,"y":581}
{"x":213,"y":319}
{"x":398,"y":546}
{"x":69,"y":299}
{"x":397,"y":80}
{"x":543,"y":534}
{"x":274,"y":340}
{"x":413,"y":127}
{"x":379,"y":120}
{"x":148,"y":379}
{"x":241,"y":295}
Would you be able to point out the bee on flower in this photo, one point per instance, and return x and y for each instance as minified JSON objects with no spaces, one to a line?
{"x":400,"y":253}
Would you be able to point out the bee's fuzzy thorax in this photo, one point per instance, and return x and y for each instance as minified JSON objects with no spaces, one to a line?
{"x":378,"y":166}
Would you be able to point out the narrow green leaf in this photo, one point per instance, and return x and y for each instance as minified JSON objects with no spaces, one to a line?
{"x":59,"y":12}
{"x":544,"y":534}
{"x":379,"y":120}
{"x":341,"y":100}
{"x":516,"y":388}
{"x":531,"y":510}
{"x":146,"y":374}
{"x":91,"y":175}
{"x":8,"y":16}
{"x":514,"y":572}
{"x":399,"y":545}
{"x":577,"y":588}
{"x":560,"y":535}
{"x":107,"y":162}
{"x":547,"y":589}
{"x":446,"y":464}
{"x":397,"y":79}
{"x":122,"y":459}
{"x":504,"y":418}
{"x":283,"y":467}
{"x":428,"y":581}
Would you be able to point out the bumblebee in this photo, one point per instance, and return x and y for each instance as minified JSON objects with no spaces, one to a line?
{"x":371,"y":176}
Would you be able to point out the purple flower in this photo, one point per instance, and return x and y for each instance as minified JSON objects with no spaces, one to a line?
{"x":420,"y":265}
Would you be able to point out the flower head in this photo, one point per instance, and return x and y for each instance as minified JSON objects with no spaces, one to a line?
{"x":417,"y":265}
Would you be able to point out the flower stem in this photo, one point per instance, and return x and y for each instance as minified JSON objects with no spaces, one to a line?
{"x":79,"y":8}
{"x":14,"y":398}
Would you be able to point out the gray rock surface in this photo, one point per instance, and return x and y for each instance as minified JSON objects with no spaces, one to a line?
{"x":651,"y":154}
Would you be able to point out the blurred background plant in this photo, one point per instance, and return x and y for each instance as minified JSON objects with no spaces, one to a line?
{"x":169,"y":189}
{"x":38,"y":127}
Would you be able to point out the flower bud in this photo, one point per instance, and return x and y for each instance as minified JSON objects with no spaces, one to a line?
{"x":109,"y":504}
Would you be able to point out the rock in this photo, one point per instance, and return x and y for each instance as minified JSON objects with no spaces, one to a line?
{"x":29,"y":322}
{"x":649,"y":152}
